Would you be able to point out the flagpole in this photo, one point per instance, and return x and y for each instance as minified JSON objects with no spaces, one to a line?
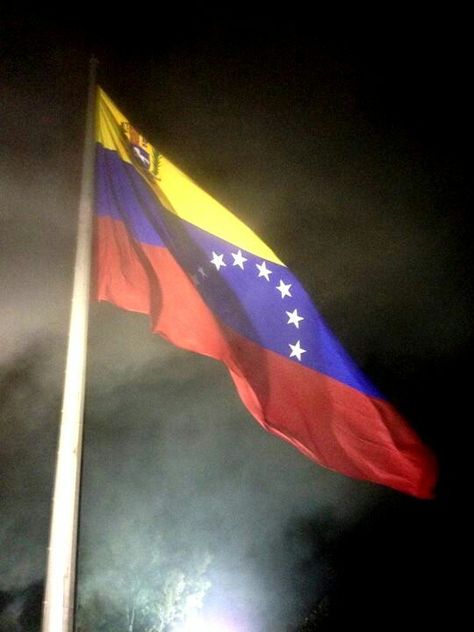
{"x":58,"y":605}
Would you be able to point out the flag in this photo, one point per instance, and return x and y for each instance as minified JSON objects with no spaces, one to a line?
{"x":166,"y":248}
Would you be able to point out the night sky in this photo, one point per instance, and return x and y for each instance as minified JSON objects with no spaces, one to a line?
{"x":345,"y":146}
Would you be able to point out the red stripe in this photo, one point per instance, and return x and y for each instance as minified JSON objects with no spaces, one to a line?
{"x":330,"y":422}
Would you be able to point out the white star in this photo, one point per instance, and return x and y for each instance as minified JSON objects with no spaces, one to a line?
{"x":284,"y":288}
{"x":296,"y":350}
{"x":263,"y":271}
{"x":201,"y":272}
{"x":294,"y":319}
{"x":239,"y":259}
{"x":218,"y":260}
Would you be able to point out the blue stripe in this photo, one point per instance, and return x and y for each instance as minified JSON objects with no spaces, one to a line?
{"x":122,"y":194}
{"x":242,"y":299}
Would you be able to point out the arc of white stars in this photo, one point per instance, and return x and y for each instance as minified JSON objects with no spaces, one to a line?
{"x":284,"y":288}
{"x":294,"y":318}
{"x":296,"y":350}
{"x":218,"y":261}
{"x":263,"y":271}
{"x":239,"y":259}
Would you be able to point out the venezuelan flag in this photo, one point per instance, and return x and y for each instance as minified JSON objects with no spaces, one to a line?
{"x":165,"y":248}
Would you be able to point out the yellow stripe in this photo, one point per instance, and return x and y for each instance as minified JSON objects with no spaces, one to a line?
{"x":176,"y":190}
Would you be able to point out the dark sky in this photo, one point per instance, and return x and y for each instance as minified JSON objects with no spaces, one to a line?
{"x":346,"y":147}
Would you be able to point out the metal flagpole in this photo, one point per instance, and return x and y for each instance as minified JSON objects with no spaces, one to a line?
{"x":58,"y":606}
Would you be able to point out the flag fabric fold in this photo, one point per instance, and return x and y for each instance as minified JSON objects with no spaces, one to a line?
{"x":166,"y":248}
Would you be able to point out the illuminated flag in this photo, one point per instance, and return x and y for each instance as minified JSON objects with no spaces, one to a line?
{"x":166,"y":248}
